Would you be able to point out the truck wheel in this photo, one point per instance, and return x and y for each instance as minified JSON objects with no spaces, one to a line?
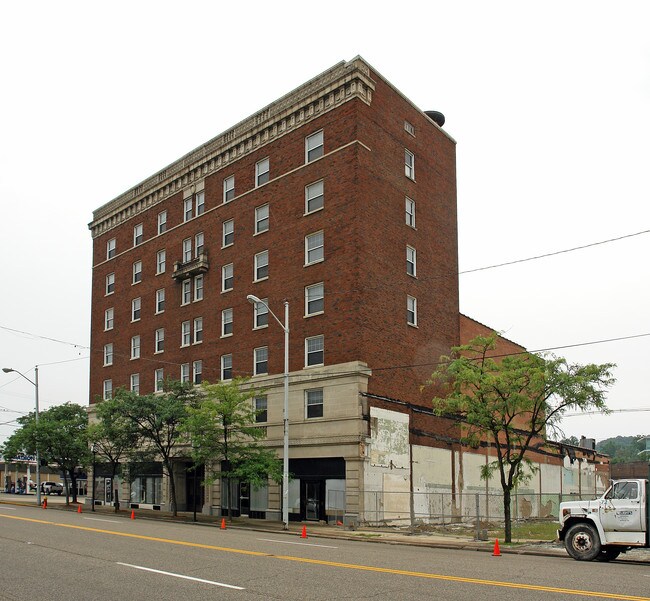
{"x":582,"y":542}
{"x":608,"y":554}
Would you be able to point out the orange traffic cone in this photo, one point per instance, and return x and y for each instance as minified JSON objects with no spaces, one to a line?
{"x":78,"y":508}
{"x":132,"y":514}
{"x":304,"y":532}
{"x":45,"y":503}
{"x":496,"y":552}
{"x":223,"y":523}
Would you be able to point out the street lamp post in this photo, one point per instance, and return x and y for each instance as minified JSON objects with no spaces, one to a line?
{"x":285,"y":465}
{"x":38,"y":458}
{"x":94,"y":452}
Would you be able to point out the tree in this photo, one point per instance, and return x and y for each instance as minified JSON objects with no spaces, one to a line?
{"x":514,"y":400}
{"x":222,"y":427}
{"x":61,"y":438}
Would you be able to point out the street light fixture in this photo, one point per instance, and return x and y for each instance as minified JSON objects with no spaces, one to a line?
{"x":8,"y":370}
{"x":93,"y":449}
{"x":285,"y":465}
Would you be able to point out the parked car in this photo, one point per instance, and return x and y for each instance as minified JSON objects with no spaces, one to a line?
{"x":50,"y":488}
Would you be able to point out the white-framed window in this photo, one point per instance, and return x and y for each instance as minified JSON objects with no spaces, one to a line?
{"x":186,"y":292}
{"x":136,"y":309}
{"x":198,"y":288}
{"x":110,"y":283}
{"x":228,"y":233}
{"x":314,"y":196}
{"x":185,"y":372}
{"x":411,"y":311}
{"x":261,"y":361}
{"x":409,"y":164}
{"x":262,"y":219}
{"x":409,"y":127}
{"x":138,"y":234}
{"x":187,"y":250}
{"x":186,"y":333}
{"x":314,"y":146}
{"x":162,"y":222}
{"x":111,"y":248}
{"x":410,"y":212}
{"x":137,"y":272}
{"x":229,"y":188}
{"x":161,"y":259}
{"x":226,"y":367}
{"x":107,"y":390}
{"x":227,"y":277}
{"x":135,"y":346}
{"x":315,"y":350}
{"x":108,"y":354}
{"x":313,"y":403}
{"x":187,"y":209}
{"x":261,"y":408}
{"x":226,"y":322}
{"x":262,"y":169}
{"x":199,"y":241}
{"x":199,"y":203}
{"x":261,"y":314}
{"x":197,"y":370}
{"x":261,"y":266}
{"x":158,"y":380}
{"x":109,"y":318}
{"x":159,"y":346}
{"x":198,"y":330}
{"x":411,"y":261}
{"x":160,"y":300}
{"x":314,"y":299}
{"x":314,"y":247}
{"x":135,"y":383}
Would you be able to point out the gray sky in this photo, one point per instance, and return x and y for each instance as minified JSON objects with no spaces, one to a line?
{"x":549,"y":103}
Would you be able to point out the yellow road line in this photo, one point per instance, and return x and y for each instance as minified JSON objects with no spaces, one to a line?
{"x":335,"y":564}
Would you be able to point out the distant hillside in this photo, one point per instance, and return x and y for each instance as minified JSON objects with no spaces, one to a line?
{"x":622,"y":449}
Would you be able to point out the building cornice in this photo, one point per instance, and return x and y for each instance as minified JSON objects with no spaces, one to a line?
{"x":341,"y":83}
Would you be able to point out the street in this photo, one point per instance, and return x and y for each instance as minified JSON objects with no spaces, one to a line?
{"x":65,"y":555}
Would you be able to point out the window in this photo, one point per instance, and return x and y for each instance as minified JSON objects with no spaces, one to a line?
{"x":161,"y":257}
{"x":409,"y":164}
{"x":185,"y":372}
{"x":314,"y":197}
{"x":199,"y":203}
{"x":314,"y":403}
{"x":160,"y":300}
{"x":108,"y":354}
{"x":260,"y":405}
{"x":138,"y":234}
{"x":198,"y":288}
{"x":228,"y":232}
{"x":261,"y":266}
{"x":187,"y":209}
{"x":261,"y":314}
{"x":158,"y":380}
{"x":136,"y":306}
{"x":313,"y":147}
{"x":226,"y":367}
{"x":110,"y":248}
{"x":411,"y":311}
{"x":198,"y":330}
{"x":410,"y":212}
{"x":107,"y":390}
{"x":411,"y":261}
{"x":137,"y":272}
{"x":226,"y":322}
{"x":197,"y":368}
{"x":260,"y":361}
{"x":187,"y":250}
{"x":314,"y":248}
{"x":409,"y":128}
{"x":109,"y":318}
{"x":110,"y":283}
{"x":186,"y":292}
{"x":229,"y":188}
{"x":262,"y":172}
{"x":198,"y":244}
{"x":261,"y":219}
{"x":162,"y":222}
{"x":135,"y":347}
{"x":314,"y":299}
{"x":227,"y":277}
{"x":135,"y":383}
{"x":314,"y":350}
{"x":160,"y":340}
{"x":185,"y":333}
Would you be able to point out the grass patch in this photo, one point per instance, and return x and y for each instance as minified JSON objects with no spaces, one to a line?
{"x":546,"y":531}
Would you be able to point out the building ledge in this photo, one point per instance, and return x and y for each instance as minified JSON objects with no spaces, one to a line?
{"x":191,"y":268}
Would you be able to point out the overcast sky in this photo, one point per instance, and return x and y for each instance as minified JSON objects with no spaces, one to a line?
{"x":549,"y":103}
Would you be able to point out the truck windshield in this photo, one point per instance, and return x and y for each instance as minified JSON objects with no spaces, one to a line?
{"x":623,"y":490}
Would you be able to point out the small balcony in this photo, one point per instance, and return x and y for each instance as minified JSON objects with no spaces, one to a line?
{"x":191,"y":268}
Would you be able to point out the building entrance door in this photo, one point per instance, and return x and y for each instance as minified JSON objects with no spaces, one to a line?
{"x":312,"y":500}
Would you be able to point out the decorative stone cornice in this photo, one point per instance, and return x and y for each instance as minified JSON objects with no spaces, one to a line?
{"x":343,"y":82}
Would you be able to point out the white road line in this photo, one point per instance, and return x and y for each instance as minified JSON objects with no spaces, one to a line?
{"x":286,"y":542}
{"x":8,"y":508}
{"x":101,"y":520}
{"x":128,"y":565}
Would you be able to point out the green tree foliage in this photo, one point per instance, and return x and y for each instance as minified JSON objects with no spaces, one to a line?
{"x":60,"y":436}
{"x":513,"y":401}
{"x":624,"y":449}
{"x":221,"y":427}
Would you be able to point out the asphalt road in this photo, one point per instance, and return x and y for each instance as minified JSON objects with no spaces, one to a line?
{"x":86,"y":557}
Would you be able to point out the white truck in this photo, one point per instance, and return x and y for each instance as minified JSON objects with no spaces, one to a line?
{"x":604,"y":528}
